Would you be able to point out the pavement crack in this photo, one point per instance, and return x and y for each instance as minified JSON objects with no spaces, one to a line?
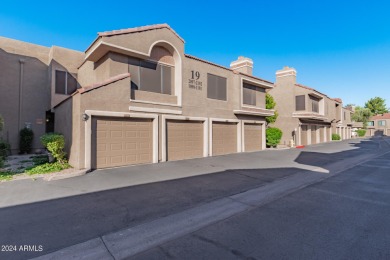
{"x":108,"y":250}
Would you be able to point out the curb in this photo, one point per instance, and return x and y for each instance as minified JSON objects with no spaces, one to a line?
{"x":65,"y":176}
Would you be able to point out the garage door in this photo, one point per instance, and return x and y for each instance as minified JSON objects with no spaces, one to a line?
{"x":253,"y":137}
{"x":329,"y":134}
{"x":313,"y":134}
{"x":224,"y":138}
{"x":184,"y":139}
{"x":322,"y":134}
{"x":304,"y":135}
{"x":119,"y":142}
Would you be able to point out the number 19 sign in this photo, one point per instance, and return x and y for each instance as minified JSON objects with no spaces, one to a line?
{"x":194,"y":82}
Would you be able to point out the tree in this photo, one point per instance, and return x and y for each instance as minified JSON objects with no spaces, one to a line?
{"x":361,"y":114}
{"x":270,"y":104}
{"x":376,"y":105}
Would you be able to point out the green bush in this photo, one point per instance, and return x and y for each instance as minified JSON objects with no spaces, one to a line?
{"x":273,"y":136}
{"x":4,"y":148}
{"x":26,"y":136}
{"x":47,"y":168}
{"x":40,"y":159}
{"x":361,"y":132}
{"x":336,"y":137}
{"x":55,"y":144}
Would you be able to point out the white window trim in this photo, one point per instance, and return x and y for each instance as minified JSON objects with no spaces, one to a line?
{"x":88,"y":131}
{"x":262,"y":123}
{"x":239,"y":134}
{"x":164,"y":119}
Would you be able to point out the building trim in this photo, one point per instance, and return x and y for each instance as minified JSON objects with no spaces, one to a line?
{"x":164,"y":119}
{"x":154,"y":103}
{"x":155,"y":110}
{"x":88,"y":131}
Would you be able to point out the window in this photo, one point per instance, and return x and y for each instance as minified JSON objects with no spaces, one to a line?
{"x":370,"y":123}
{"x":314,"y":104}
{"x":65,"y":83}
{"x":252,"y":95}
{"x":300,"y":103}
{"x":216,"y":87}
{"x":151,"y":76}
{"x":381,"y":123}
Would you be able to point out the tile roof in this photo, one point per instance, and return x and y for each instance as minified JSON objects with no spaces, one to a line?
{"x":103,"y":83}
{"x":339,"y":100}
{"x":381,"y":116}
{"x":312,"y":89}
{"x":226,"y":68}
{"x":138,"y":29}
{"x":205,"y":61}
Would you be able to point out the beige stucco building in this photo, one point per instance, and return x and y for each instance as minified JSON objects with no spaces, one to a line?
{"x":307,"y":116}
{"x":133,"y":97}
{"x":379,"y":125}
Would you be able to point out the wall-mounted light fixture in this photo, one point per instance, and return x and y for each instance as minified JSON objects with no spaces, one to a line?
{"x":85,"y":117}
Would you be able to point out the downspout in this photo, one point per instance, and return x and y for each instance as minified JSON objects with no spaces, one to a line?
{"x":21,"y":61}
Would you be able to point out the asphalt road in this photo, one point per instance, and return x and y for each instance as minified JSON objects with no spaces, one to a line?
{"x":343,"y":217}
{"x":325,"y":220}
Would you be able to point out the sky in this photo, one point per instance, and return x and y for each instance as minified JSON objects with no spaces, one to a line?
{"x":340,"y":48}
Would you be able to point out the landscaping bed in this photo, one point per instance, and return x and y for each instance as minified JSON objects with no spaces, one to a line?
{"x":32,"y":166}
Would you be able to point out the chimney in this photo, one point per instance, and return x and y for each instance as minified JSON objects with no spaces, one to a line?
{"x":286,"y":75}
{"x":243,"y":65}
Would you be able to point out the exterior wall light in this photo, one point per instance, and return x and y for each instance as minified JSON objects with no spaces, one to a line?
{"x":85,"y":117}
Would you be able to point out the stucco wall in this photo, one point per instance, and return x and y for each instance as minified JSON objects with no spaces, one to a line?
{"x":23,"y":69}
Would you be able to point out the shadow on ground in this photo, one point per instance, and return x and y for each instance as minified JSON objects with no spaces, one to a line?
{"x":60,"y":223}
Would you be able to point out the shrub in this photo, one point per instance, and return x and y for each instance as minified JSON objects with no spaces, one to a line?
{"x":273,"y":136}
{"x":270,"y":104}
{"x":55,"y":144}
{"x":361,"y":132}
{"x":336,"y":137}
{"x":25,"y":142}
{"x":4,"y":148}
{"x":47,"y":168}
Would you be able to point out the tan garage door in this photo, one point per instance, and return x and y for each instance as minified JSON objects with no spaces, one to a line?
{"x":253,"y":137}
{"x":119,"y":142}
{"x":304,"y":135}
{"x":313,"y":134}
{"x":322,"y":134}
{"x":329,"y":134}
{"x":184,"y":139}
{"x":224,"y":138}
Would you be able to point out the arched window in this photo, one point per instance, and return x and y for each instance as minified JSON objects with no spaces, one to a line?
{"x":156,"y":74}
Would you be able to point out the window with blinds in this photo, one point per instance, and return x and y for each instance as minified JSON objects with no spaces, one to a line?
{"x":151,"y":76}
{"x":216,"y":87}
{"x":65,"y":83}
{"x":253,"y":95}
{"x":314,"y":104}
{"x":300,"y":103}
